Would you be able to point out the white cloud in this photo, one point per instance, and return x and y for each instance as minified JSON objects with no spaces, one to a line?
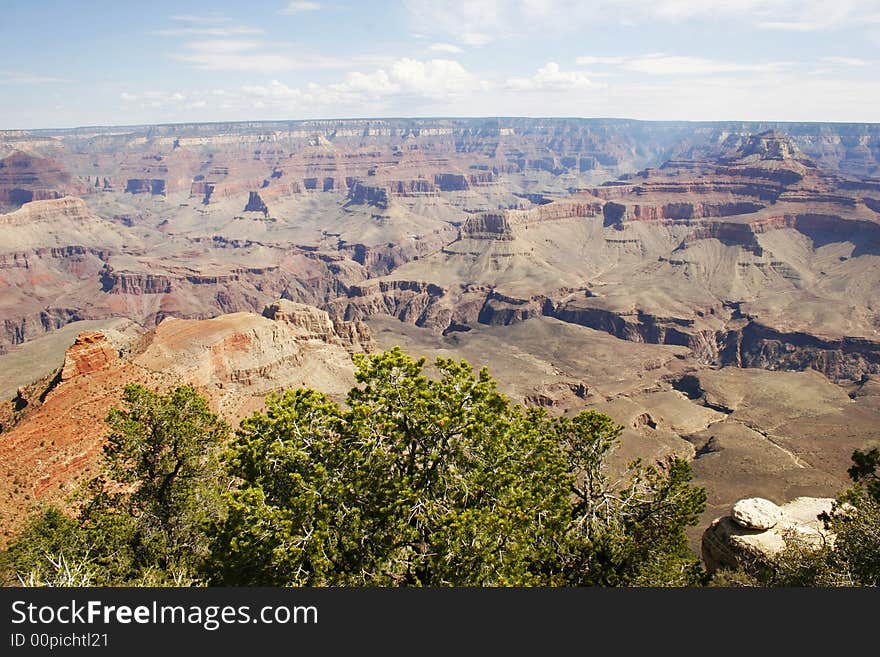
{"x":550,"y":78}
{"x":792,"y":26}
{"x":471,"y":22}
{"x":587,"y":61}
{"x":214,"y":44}
{"x":249,"y":55}
{"x":475,"y":39}
{"x":223,"y":46}
{"x":679,"y":10}
{"x":18,"y":77}
{"x":477,"y":22}
{"x":439,"y":81}
{"x":789,"y":15}
{"x":209,"y":31}
{"x":300,"y":6}
{"x":273,"y":89}
{"x":662,"y":64}
{"x":436,"y":79}
{"x":846,"y":61}
{"x":445,"y":47}
{"x":158,"y":99}
{"x":209,"y":19}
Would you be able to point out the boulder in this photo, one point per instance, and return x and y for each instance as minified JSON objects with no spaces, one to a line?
{"x":755,"y":513}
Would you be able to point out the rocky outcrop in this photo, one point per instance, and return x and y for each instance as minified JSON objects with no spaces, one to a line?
{"x":49,"y":211}
{"x":28,"y":259}
{"x":840,"y":359}
{"x":739,"y":344}
{"x":499,"y":225}
{"x":613,"y":214}
{"x":823,"y":228}
{"x":203,"y":190}
{"x":255,"y":204}
{"x":31,"y":325}
{"x":487,"y":226}
{"x":382,"y":259}
{"x":136,"y":283}
{"x":17,"y":196}
{"x":154,"y":186}
{"x":355,"y":336}
{"x":705,"y":183}
{"x":364,"y":194}
{"x":820,"y":227}
{"x":451,"y":182}
{"x":312,"y":323}
{"x":258,"y":352}
{"x":246,"y":350}
{"x":414,"y":302}
{"x":139,"y":283}
{"x":688,"y":210}
{"x":756,"y":531}
{"x":501,"y":309}
{"x":769,"y":145}
{"x":379,"y":195}
{"x":25,"y":178}
{"x":728,"y":233}
{"x":555,"y":211}
{"x":89,"y":353}
{"x":412,"y":188}
{"x":635,"y":325}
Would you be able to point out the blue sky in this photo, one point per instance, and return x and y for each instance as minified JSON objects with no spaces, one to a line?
{"x":99,"y":62}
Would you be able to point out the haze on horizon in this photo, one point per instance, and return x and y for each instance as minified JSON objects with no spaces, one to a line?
{"x":108,"y":63}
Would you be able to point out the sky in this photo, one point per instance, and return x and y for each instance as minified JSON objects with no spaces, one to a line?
{"x":66,"y":63}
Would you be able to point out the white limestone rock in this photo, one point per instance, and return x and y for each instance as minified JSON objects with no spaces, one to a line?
{"x":755,"y":513}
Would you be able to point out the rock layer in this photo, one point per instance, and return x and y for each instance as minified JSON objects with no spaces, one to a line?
{"x":91,"y":352}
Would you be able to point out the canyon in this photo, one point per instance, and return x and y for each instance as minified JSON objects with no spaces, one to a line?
{"x":711,"y":286}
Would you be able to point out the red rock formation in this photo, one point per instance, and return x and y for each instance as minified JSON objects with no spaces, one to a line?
{"x":91,"y":352}
{"x":590,"y":207}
